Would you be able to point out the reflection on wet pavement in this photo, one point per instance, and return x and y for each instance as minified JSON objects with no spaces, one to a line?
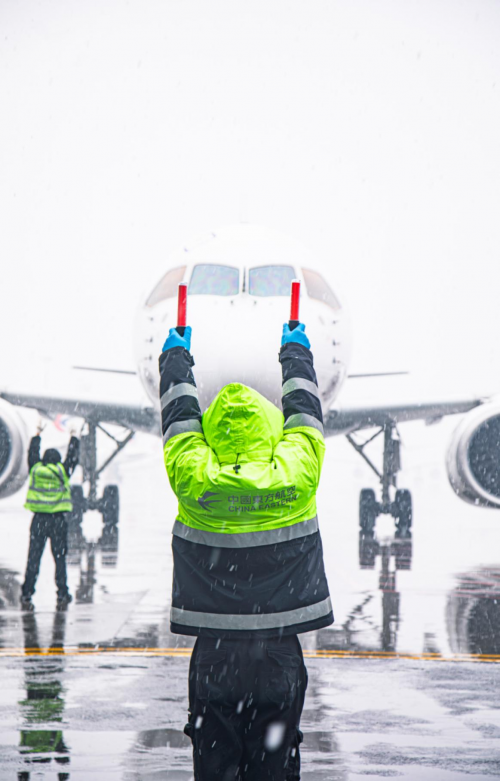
{"x":473,"y":612}
{"x":71,"y":709}
{"x":82,"y":554}
{"x":43,"y":704}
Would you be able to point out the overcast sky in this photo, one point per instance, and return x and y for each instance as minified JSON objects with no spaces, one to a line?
{"x":368,"y":130}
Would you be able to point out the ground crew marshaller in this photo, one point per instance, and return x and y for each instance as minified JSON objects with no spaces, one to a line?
{"x":49,"y":497}
{"x":248,"y":559}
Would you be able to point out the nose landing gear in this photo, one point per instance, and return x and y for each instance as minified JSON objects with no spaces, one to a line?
{"x":400,"y":508}
{"x":109,"y":503}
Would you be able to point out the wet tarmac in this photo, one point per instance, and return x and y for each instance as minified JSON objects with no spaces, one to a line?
{"x":405,"y":685}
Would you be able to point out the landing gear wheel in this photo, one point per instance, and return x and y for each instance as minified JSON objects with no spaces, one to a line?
{"x":402,"y":550}
{"x":109,"y":545}
{"x":403,"y":512}
{"x":368,"y":549}
{"x":75,"y":517}
{"x":110,"y":505}
{"x":76,"y":541}
{"x":368,"y":511}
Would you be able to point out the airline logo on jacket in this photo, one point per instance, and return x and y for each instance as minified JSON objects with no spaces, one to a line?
{"x":206,"y":502}
{"x":245,"y":503}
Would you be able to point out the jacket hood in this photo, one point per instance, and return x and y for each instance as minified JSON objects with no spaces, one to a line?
{"x":241,"y":425}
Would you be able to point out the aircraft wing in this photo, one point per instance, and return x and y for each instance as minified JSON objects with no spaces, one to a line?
{"x":350,"y":419}
{"x":339,"y":421}
{"x":133,"y":417}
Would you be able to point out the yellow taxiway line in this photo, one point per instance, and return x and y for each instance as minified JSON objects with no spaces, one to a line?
{"x":185,"y":653}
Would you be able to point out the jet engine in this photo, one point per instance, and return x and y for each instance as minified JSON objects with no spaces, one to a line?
{"x":13,"y":450}
{"x":473,"y":459}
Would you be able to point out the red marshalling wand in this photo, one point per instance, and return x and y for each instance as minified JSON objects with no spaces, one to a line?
{"x":182,"y":308}
{"x":294,"y":305}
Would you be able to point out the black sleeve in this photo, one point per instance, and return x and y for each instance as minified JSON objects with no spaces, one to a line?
{"x":34,"y":452}
{"x":180,"y":408}
{"x":300,"y":386}
{"x":72,"y":456}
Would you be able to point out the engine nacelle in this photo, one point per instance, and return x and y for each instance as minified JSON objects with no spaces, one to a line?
{"x":473,"y":459}
{"x":13,"y":450}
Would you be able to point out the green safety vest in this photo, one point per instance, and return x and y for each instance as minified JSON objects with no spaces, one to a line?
{"x":49,"y":490}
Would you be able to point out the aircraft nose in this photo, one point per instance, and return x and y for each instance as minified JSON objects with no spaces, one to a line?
{"x":236,"y":346}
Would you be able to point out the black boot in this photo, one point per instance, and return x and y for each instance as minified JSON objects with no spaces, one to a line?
{"x":27,"y":604}
{"x":63,"y":601}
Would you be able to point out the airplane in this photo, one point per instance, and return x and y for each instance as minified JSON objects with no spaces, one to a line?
{"x":238,"y":282}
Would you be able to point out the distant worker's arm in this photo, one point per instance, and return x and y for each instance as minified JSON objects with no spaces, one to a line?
{"x":72,"y":456}
{"x":34,"y":451}
{"x":184,"y":445}
{"x":303,"y":427}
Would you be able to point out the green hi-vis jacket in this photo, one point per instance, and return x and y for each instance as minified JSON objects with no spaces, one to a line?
{"x":49,"y":490}
{"x":247,"y":550}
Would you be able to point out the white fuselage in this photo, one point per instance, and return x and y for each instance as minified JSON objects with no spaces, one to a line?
{"x":236,"y":337}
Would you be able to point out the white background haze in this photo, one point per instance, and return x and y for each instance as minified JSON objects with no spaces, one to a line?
{"x":367,"y":130}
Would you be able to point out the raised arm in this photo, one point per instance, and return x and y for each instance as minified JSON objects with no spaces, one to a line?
{"x":300,"y":395}
{"x":34,"y":451}
{"x":185,"y":450}
{"x":303,"y":427}
{"x":72,"y":456}
{"x":180,"y":408}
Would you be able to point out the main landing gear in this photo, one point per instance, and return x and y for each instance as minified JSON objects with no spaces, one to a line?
{"x":109,"y":503}
{"x":400,"y":507}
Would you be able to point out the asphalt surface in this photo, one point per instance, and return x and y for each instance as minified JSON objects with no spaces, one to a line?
{"x":405,"y":685}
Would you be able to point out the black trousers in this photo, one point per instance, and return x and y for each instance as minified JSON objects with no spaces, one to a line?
{"x":245,"y":701}
{"x":54,"y":527}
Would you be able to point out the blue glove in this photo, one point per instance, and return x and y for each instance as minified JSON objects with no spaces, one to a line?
{"x":174,"y":339}
{"x":297,"y":335}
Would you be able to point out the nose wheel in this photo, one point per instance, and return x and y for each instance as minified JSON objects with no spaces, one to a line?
{"x":402,"y":510}
{"x":401,"y":546}
{"x":110,"y":505}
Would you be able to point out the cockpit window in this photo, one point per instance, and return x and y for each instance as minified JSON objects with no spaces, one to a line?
{"x":317,"y":288}
{"x":270,"y":280}
{"x":208,"y":279}
{"x":167,"y":286}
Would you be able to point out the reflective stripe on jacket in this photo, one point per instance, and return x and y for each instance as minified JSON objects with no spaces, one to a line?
{"x":49,"y":490}
{"x":247,"y":550}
